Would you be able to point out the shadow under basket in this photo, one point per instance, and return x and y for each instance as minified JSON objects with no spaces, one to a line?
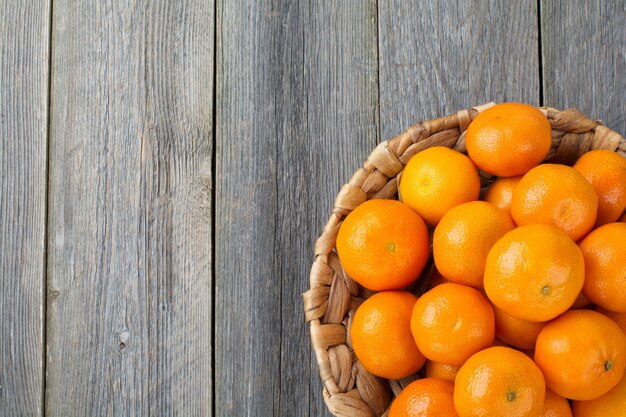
{"x":329,"y":305}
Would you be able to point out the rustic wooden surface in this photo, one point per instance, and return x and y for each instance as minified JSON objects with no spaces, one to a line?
{"x":191,"y":151}
{"x":129,"y":230}
{"x":24,"y":65}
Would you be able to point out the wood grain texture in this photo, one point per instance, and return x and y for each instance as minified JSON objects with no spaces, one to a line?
{"x":440,"y":57}
{"x":584,"y":64}
{"x":341,"y":67}
{"x":129,"y":276}
{"x":24,"y":71}
{"x":296,"y":100}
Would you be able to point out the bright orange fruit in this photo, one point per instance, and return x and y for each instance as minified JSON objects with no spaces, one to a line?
{"x":606,"y":171}
{"x":516,"y":332}
{"x":508,"y":139}
{"x":557,"y":195}
{"x":451,"y":322}
{"x":441,"y":370}
{"x":499,"y":381}
{"x":428,"y":397}
{"x":604,"y":251}
{"x":534,"y":273}
{"x":463,"y":238}
{"x":555,"y":406}
{"x":383,"y":245}
{"x":582,"y":354}
{"x":611,"y":404}
{"x":437,"y":179}
{"x":381,"y":335}
{"x":500,"y":193}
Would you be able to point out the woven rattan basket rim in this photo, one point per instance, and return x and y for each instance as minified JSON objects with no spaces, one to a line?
{"x":349,"y":390}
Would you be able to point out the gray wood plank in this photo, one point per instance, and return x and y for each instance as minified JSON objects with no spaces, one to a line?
{"x":584,"y":45}
{"x":296,"y":114}
{"x":439,"y":57}
{"x":24,"y":71}
{"x":129,"y":272}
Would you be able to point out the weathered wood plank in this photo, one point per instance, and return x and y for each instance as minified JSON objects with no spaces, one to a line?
{"x":296,"y":101}
{"x":129,"y":276}
{"x":341,"y":61}
{"x":584,"y":44}
{"x":24,"y":72}
{"x":439,"y":57}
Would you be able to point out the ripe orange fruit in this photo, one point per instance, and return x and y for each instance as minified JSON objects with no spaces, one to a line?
{"x":441,"y":370}
{"x":557,"y":195}
{"x":451,"y":322}
{"x":606,"y":171}
{"x":500,"y":193}
{"x":604,"y":250}
{"x":381,"y":335}
{"x":555,"y":406}
{"x":611,"y":404}
{"x":499,"y":381}
{"x":428,"y":397}
{"x":582,"y":354}
{"x":383,"y":245}
{"x":516,"y":332}
{"x":463,"y":238}
{"x":508,"y":139}
{"x":618,"y":318}
{"x":534,"y":272}
{"x":437,"y":179}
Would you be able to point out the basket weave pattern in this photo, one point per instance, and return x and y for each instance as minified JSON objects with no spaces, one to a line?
{"x":330,"y":303}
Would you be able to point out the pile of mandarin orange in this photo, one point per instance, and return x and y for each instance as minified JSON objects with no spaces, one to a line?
{"x":526,"y":311}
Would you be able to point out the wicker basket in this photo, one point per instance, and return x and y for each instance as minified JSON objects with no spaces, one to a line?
{"x":330,"y":303}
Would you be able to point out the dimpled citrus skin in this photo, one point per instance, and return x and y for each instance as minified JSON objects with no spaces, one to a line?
{"x":499,"y":381}
{"x":508,"y":139}
{"x":582,"y":354}
{"x":451,"y":322}
{"x":534,"y":273}
{"x":611,"y":404}
{"x":555,"y":406}
{"x":437,"y":179}
{"x":519,"y":333}
{"x":604,"y":251}
{"x":606,"y":171}
{"x":428,"y":397}
{"x":381,"y":335}
{"x":500,"y":193}
{"x":441,"y":370}
{"x":383,"y":245}
{"x":463,"y":238}
{"x":557,"y":195}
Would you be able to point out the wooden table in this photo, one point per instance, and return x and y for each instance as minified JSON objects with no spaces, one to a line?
{"x":166,"y":167}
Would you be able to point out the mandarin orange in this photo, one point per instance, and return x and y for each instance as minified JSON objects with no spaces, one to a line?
{"x":534,"y":273}
{"x":436,"y":180}
{"x":428,"y":397}
{"x":508,"y":139}
{"x":463,"y":238}
{"x":582,"y":354}
{"x":499,"y":381}
{"x":500,"y":193}
{"x":557,"y":195}
{"x":606,"y":171}
{"x":451,"y":322}
{"x":381,"y":335}
{"x":604,"y":251}
{"x":383,"y":245}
